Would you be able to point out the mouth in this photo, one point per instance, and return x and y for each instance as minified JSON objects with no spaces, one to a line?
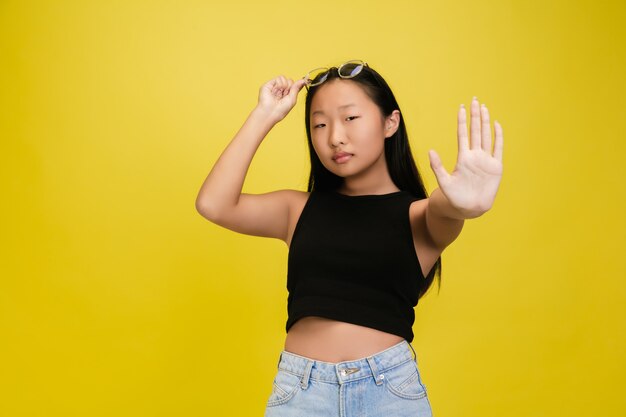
{"x":340,"y":159}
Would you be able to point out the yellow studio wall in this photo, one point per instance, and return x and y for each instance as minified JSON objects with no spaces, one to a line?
{"x":118,"y":299}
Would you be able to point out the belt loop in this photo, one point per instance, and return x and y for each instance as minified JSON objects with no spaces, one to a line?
{"x":304,"y":383}
{"x":377,"y":378}
{"x":414,"y":354}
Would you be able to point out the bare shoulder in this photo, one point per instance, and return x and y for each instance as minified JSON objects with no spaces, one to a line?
{"x":425,"y":248}
{"x":296,"y":195}
{"x":294,"y":200}
{"x":417,"y":215}
{"x":276,"y":213}
{"x":265,"y":215}
{"x":431,"y":235}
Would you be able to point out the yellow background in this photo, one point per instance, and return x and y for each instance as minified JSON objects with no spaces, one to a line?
{"x":118,"y":299}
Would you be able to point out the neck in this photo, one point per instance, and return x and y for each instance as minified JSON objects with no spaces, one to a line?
{"x":355,"y":188}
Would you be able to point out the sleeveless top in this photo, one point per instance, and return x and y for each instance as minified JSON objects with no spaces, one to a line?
{"x":352,"y":259}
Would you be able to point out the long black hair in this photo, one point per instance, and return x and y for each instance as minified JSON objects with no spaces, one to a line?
{"x":400,"y":162}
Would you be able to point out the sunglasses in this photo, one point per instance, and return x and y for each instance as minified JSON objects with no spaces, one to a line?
{"x":347,"y":70}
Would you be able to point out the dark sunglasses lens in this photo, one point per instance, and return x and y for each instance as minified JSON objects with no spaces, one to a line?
{"x":351,"y":69}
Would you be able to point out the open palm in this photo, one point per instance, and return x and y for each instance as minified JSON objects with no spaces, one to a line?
{"x":472,"y":186}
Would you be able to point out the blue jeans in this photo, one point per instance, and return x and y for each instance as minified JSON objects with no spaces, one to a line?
{"x":385,"y":384}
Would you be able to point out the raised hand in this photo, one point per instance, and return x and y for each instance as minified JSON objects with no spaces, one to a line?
{"x":279,"y":95}
{"x":471,"y":188}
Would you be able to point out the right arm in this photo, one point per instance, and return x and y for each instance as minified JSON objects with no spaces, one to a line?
{"x":220,"y":199}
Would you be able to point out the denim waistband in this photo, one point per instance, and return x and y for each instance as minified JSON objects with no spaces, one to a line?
{"x":372,"y":366}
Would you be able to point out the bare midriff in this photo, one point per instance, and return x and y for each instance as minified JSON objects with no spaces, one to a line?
{"x":336,"y":341}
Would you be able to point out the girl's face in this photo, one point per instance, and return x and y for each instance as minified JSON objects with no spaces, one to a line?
{"x":344,"y":119}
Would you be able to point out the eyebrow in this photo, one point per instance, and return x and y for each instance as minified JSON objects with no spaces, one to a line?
{"x":341,"y":107}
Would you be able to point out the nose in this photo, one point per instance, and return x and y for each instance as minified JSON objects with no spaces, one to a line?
{"x":336,"y":137}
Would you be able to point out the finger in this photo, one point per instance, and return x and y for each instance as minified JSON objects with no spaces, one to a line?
{"x":281,"y":83}
{"x":302,"y":82}
{"x":293,"y":88}
{"x":275,"y":85}
{"x":437,"y":166}
{"x":475,"y":124}
{"x":461,"y":132}
{"x":499,"y":142}
{"x":485,"y":130}
{"x":287,"y":89}
{"x":297,"y":86}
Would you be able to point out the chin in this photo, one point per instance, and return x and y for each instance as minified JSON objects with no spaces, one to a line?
{"x":341,"y":173}
{"x":334,"y":167}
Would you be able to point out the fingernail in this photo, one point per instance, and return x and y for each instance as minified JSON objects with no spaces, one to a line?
{"x":462,"y":105}
{"x":474,"y":98}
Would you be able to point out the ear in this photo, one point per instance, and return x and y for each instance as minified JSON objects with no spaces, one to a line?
{"x":392,"y":122}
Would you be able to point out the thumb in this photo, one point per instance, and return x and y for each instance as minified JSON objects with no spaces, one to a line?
{"x":297,"y":86}
{"x":437,"y":166}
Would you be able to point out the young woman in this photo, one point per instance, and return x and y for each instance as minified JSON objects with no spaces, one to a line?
{"x":364,"y":240}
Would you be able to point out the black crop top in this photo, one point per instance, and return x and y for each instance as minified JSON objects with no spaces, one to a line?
{"x":352,"y":259}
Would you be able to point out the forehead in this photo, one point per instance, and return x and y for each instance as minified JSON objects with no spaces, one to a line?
{"x":337,"y":95}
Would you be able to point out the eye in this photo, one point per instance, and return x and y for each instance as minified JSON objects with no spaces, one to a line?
{"x":322,"y":124}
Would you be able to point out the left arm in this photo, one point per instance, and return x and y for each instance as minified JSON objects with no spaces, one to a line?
{"x":443,"y":222}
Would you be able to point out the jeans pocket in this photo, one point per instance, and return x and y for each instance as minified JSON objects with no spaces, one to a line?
{"x":285,"y":385}
{"x":404,"y":381}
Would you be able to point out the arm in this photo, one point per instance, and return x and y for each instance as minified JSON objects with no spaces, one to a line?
{"x":221,"y":189}
{"x":443,"y":222}
{"x":220,"y":199}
